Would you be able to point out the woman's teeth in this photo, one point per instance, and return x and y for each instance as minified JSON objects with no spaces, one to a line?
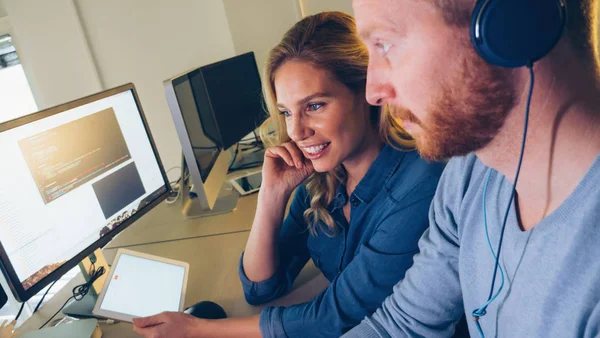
{"x":316,"y":149}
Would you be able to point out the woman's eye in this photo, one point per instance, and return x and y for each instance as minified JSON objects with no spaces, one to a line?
{"x":315,"y":106}
{"x":286,"y":113}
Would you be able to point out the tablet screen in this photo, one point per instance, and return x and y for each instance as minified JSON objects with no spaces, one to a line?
{"x":143,"y":287}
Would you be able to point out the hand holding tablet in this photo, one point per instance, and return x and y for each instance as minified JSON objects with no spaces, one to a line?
{"x":141,"y":285}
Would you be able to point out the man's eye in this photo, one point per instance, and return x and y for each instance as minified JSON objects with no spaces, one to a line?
{"x":315,"y":106}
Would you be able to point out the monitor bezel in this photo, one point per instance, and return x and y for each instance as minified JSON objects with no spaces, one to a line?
{"x":22,"y":294}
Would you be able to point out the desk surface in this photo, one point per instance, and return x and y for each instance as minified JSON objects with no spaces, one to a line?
{"x":212,"y":246}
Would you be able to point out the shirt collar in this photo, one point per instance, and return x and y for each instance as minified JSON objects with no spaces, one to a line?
{"x":382,"y":169}
{"x":340,"y":199}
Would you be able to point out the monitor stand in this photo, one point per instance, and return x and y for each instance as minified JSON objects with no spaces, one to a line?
{"x":83,"y":308}
{"x":194,"y":208}
{"x":226,"y":202}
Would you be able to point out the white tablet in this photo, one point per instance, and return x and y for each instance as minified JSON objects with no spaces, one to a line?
{"x":246,"y":181}
{"x":141,"y":285}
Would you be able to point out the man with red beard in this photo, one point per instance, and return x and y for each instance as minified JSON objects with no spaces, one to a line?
{"x":457,"y":101}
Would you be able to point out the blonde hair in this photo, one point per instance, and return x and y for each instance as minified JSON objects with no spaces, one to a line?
{"x":329,"y":41}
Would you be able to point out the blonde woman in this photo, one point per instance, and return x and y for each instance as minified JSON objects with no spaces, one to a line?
{"x":360,"y":211}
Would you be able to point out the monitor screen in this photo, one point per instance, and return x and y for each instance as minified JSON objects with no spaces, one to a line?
{"x":205,"y":148}
{"x":69,"y":178}
{"x":234,"y":89}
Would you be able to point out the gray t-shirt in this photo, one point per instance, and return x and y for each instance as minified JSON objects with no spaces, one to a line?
{"x":552,"y":286}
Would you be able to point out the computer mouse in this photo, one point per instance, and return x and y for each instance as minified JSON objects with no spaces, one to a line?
{"x":206,"y":310}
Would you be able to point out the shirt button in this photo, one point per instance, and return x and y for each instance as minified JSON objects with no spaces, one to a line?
{"x":354,"y":201}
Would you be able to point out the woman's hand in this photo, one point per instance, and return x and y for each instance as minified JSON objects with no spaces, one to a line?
{"x":168,"y":325}
{"x":181,"y":325}
{"x":284,"y":168}
{"x":7,"y":330}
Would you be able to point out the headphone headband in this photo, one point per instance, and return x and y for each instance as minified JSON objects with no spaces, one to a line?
{"x":516,"y":33}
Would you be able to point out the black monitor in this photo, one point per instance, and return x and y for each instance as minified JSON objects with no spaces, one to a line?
{"x":229,"y":98}
{"x":72,"y":177}
{"x":213,"y":108}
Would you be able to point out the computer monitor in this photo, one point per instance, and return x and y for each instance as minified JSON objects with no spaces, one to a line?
{"x":213,"y":108}
{"x":72,"y":177}
{"x":205,"y":161}
{"x":234,"y":92}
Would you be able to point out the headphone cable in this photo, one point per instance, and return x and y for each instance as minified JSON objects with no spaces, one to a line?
{"x":481,"y":311}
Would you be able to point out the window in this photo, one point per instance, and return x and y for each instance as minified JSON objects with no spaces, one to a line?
{"x":16,"y":98}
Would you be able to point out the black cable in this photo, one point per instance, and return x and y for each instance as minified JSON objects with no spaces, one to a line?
{"x":252,"y":146}
{"x":20,"y":311}
{"x":92,"y":269}
{"x":237,"y":149}
{"x":54,"y":315}
{"x":256,"y":142}
{"x":256,"y":138}
{"x":81,"y":290}
{"x":256,"y":147}
{"x":248,"y":165}
{"x":205,"y":148}
{"x":179,"y":179}
{"x":44,"y":296}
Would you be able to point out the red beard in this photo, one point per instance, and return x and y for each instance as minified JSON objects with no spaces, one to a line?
{"x":468,"y":113}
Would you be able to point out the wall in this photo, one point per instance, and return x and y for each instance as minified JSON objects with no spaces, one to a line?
{"x":86,"y":46}
{"x":2,"y":10}
{"x":52,"y":49}
{"x":310,"y":7}
{"x":258,"y":25}
{"x":148,"y":42}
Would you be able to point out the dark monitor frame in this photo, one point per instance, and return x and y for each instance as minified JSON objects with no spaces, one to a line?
{"x":186,"y":143}
{"x":157,"y":196}
{"x":223,"y":143}
{"x":202,"y":92}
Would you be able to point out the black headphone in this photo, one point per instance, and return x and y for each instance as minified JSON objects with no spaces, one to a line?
{"x":516,"y":33}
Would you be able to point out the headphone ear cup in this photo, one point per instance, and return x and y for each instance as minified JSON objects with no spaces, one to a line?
{"x":516,"y":33}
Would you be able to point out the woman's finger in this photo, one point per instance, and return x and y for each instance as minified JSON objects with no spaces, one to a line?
{"x":297,"y":155}
{"x":282,"y":153}
{"x":149,"y":321}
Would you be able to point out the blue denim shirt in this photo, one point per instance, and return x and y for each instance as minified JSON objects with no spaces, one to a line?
{"x":363,"y":261}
